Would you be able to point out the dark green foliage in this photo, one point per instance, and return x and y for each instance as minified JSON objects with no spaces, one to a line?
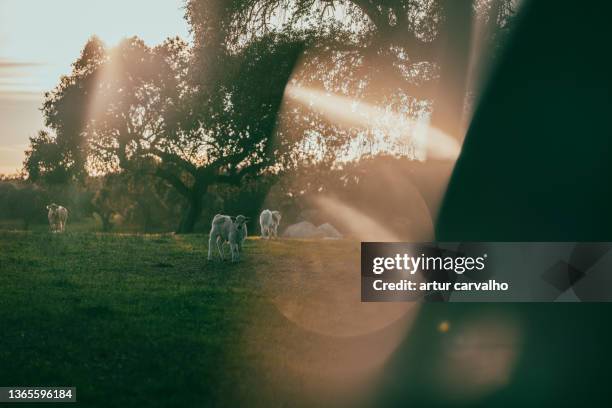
{"x":51,"y":160}
{"x":23,"y":202}
{"x":61,"y":157}
{"x":535,"y":164}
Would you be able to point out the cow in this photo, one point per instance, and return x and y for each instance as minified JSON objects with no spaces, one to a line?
{"x":57,"y":216}
{"x":268,"y":222}
{"x":232,"y":230}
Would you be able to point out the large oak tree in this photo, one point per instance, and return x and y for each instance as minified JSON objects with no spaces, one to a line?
{"x":143,"y":110}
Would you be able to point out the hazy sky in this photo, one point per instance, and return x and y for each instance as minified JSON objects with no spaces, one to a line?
{"x":39,"y":39}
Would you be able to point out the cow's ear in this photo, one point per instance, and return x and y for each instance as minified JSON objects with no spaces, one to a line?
{"x":48,"y":207}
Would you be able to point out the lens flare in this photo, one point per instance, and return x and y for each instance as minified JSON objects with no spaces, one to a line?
{"x":479,"y":357}
{"x":318,"y":336}
{"x":430,"y":142}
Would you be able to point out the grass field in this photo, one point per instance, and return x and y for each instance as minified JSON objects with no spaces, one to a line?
{"x":135,"y":320}
{"x":144,"y":320}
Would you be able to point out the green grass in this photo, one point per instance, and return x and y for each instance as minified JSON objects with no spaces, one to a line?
{"x":144,"y":320}
{"x":135,"y":320}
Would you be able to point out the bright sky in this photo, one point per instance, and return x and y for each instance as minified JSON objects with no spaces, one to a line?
{"x":39,"y":39}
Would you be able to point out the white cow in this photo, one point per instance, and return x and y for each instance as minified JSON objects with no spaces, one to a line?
{"x":269,"y":222}
{"x":57,"y":216}
{"x":228,"y":229}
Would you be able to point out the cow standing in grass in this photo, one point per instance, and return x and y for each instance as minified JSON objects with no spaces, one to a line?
{"x":232,"y":230}
{"x":57,"y":216}
{"x":269,"y":221}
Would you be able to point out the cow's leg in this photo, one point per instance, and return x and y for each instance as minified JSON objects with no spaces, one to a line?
{"x":220,"y":248}
{"x":210,"y":245}
{"x":238,"y":250}
{"x":234,"y":249}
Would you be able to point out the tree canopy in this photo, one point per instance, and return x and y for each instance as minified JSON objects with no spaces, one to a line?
{"x":216,"y":111}
{"x":135,"y":108}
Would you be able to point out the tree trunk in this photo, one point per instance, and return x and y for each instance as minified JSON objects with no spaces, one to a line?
{"x":194,"y":195}
{"x":146,"y":221}
{"x":106,"y":221}
{"x":455,"y":36}
{"x":190,"y":218}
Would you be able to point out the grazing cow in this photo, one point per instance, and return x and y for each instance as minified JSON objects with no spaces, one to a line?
{"x":269,"y":221}
{"x":232,"y":230}
{"x":57,"y":216}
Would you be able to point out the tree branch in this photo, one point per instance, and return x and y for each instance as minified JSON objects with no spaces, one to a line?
{"x":370,"y":10}
{"x":174,"y":181}
{"x":175,"y":159}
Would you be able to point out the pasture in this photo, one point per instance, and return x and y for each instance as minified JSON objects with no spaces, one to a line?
{"x":135,"y":320}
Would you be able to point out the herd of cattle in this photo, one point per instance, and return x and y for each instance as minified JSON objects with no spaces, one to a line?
{"x":233,"y":230}
{"x":224,"y":229}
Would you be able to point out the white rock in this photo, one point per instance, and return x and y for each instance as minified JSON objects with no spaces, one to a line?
{"x":329,"y":231}
{"x":302,"y":229}
{"x":307,"y":229}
